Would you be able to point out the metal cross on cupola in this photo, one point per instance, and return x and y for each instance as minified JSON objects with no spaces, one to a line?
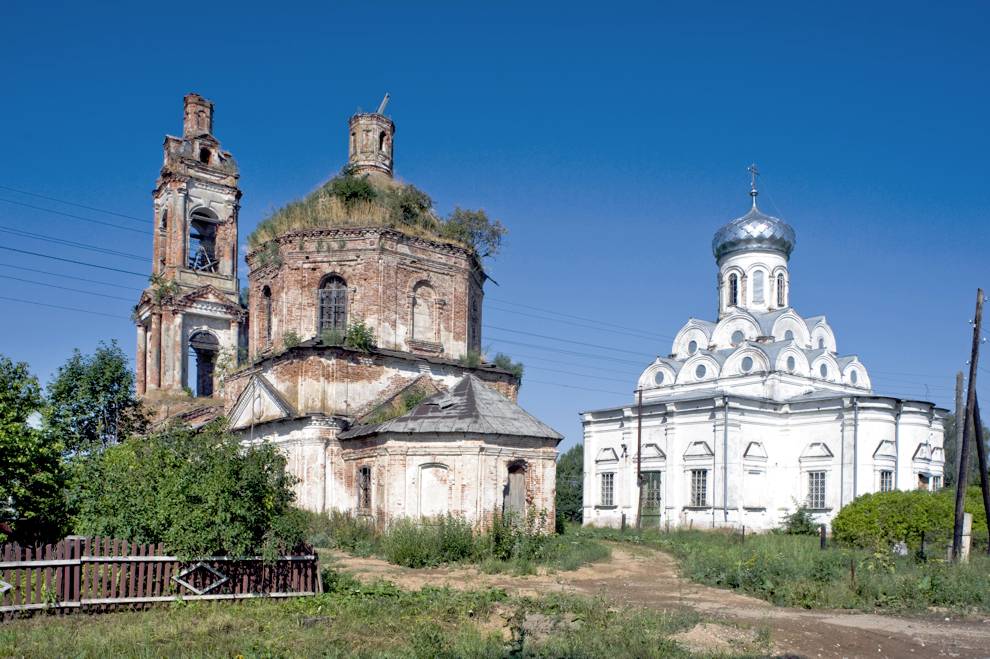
{"x":753,"y":172}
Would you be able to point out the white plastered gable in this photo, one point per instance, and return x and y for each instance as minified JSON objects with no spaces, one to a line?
{"x":607,"y":455}
{"x":755,"y":451}
{"x":653,"y":453}
{"x":816,"y":450}
{"x":259,"y":403}
{"x":698,"y":450}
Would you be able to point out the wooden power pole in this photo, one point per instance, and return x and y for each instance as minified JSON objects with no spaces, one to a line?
{"x":968,"y":429}
{"x":639,"y":459}
{"x":960,"y":421}
{"x":981,"y":452}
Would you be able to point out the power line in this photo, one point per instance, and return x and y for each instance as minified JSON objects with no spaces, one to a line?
{"x":581,"y":375}
{"x":59,"y":258}
{"x":569,"y":352}
{"x":567,"y":315}
{"x":77,"y":217}
{"x":72,"y":203}
{"x":73,"y":277}
{"x":572,"y":342}
{"x":58,"y":306}
{"x":66,"y":288}
{"x":639,"y":335}
{"x":571,"y":386}
{"x":571,"y":363}
{"x":71,"y":243}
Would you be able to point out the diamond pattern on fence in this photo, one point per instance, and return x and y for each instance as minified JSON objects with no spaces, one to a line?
{"x":220,"y":578}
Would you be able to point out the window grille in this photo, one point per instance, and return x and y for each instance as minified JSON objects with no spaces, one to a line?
{"x":364,"y":488}
{"x":936,"y":483}
{"x":608,"y":489}
{"x":333,"y":305}
{"x":652,"y":489}
{"x":780,"y":290}
{"x":886,"y":481}
{"x":699,"y":487}
{"x":816,"y":490}
{"x":733,"y":290}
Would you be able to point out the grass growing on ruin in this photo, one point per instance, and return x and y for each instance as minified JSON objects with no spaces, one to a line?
{"x":517,"y":546}
{"x":355,"y":620}
{"x":791,"y":570}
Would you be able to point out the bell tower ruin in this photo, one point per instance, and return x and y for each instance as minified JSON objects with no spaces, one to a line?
{"x":372,"y":137}
{"x":189,"y":317}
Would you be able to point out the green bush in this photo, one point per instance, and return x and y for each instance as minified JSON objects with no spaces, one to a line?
{"x":341,"y":530}
{"x":505,"y":362}
{"x":881,"y":519}
{"x":432,"y":542}
{"x":360,"y":337}
{"x":198,"y":491}
{"x":290,"y":339}
{"x":800,"y":522}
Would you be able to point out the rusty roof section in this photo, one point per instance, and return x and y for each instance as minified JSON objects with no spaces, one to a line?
{"x":470,"y":407}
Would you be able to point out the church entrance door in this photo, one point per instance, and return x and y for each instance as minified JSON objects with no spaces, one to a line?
{"x":652,"y":499}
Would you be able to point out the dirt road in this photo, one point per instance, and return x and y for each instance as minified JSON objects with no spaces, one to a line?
{"x":644,"y":577}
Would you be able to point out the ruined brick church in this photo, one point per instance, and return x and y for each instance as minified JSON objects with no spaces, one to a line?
{"x":406,"y":422}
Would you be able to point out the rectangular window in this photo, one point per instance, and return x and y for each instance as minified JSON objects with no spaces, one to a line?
{"x":886,"y":481}
{"x":652,"y":490}
{"x":936,"y":483}
{"x":364,"y":489}
{"x":816,"y":490}
{"x":699,"y":488}
{"x":608,"y":489}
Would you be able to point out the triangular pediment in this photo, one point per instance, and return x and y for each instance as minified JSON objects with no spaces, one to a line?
{"x":699,"y":450}
{"x":923,"y":452}
{"x":208,"y":293}
{"x":755,"y":451}
{"x":653,"y":452}
{"x":817,"y":450}
{"x":885,"y":449}
{"x":260,"y":402}
{"x":607,"y":455}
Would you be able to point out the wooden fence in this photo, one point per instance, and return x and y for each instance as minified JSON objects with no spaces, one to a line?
{"x":96,"y":574}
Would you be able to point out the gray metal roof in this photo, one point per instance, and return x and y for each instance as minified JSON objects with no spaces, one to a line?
{"x":470,"y":407}
{"x":754,"y":231}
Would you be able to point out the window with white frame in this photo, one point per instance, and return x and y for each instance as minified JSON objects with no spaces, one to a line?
{"x":608,"y":489}
{"x":886,"y":481}
{"x":936,"y":483}
{"x":816,"y":490}
{"x":699,"y":488}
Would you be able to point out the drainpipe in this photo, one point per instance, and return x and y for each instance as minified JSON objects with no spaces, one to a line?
{"x":842,"y":459}
{"x":725,"y":458}
{"x":855,"y":443}
{"x":897,"y":443}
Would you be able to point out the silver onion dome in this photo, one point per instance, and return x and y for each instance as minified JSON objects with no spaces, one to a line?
{"x":754,"y":231}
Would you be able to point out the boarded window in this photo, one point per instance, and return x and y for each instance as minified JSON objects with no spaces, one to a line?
{"x":333,"y":304}
{"x":364,"y":489}
{"x":514,"y":496}
{"x":433,"y":490}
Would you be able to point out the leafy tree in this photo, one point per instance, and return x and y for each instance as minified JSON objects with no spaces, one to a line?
{"x":570,"y":477}
{"x":31,"y":504}
{"x":505,"y":362}
{"x":475,"y":229}
{"x":91,"y":401}
{"x":198,"y":491}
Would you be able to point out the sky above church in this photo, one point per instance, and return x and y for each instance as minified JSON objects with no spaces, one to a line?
{"x":611,"y":139}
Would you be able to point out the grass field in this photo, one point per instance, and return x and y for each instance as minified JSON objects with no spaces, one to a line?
{"x":375,"y":620}
{"x":791,"y":570}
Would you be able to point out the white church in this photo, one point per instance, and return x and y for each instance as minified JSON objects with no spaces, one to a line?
{"x":756,"y":414}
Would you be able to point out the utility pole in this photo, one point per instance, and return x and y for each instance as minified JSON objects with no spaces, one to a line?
{"x":639,"y":458}
{"x":957,"y":528}
{"x":960,"y":421}
{"x":981,"y":452}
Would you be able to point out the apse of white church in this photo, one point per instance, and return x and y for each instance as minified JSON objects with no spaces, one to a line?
{"x":755,"y":414}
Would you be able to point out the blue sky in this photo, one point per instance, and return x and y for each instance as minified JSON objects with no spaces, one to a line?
{"x":612,"y":140}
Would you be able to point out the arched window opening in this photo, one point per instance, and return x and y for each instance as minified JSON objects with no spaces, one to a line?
{"x":514,"y":495}
{"x":333,"y":305}
{"x":747,"y":364}
{"x":204,"y":155}
{"x":163,"y":221}
{"x":353,"y":142}
{"x":364,"y":490}
{"x":424,"y":313}
{"x":780,"y":289}
{"x":791,"y":364}
{"x":203,"y":347}
{"x":733,"y":290}
{"x":789,"y":335}
{"x":823,"y":369}
{"x":758,"y":287}
{"x":854,"y":377}
{"x":381,"y":141}
{"x":266,"y":309}
{"x":692,"y":347}
{"x":821,"y":343}
{"x":203,"y":241}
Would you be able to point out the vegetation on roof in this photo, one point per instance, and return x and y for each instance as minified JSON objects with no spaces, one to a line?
{"x":349,"y":200}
